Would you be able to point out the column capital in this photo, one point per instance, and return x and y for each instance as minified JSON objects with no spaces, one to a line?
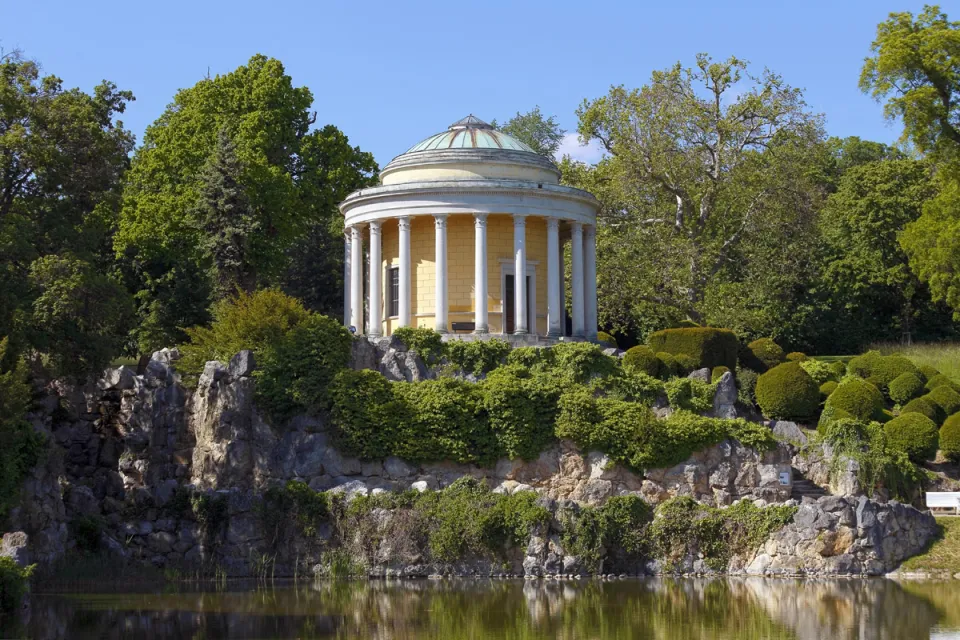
{"x":590,"y":231}
{"x":375,"y":226}
{"x":440,"y":220}
{"x":519,"y":220}
{"x":553,"y":224}
{"x":480,"y":220}
{"x":577,"y":227}
{"x":404,"y":222}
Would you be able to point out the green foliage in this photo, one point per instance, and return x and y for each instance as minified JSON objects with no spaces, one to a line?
{"x":641,"y":358}
{"x":821,"y":372}
{"x":862,"y":365}
{"x":762,"y":354}
{"x":708,"y":347}
{"x":212,"y":513}
{"x":904,"y":388}
{"x":924,"y":407}
{"x":20,"y":445}
{"x":887,"y":368}
{"x":478,"y":356}
{"x":717,"y":373}
{"x":685,"y":363}
{"x":619,"y":524}
{"x":581,"y":361}
{"x":690,"y":394}
{"x":669,"y":365}
{"x":682,"y":528}
{"x":521,"y":409}
{"x":541,"y":134}
{"x":928,"y":372}
{"x":950,"y":438}
{"x":858,"y":398}
{"x":796,"y":356}
{"x":426,"y":342}
{"x":606,"y":340}
{"x":945,"y":398}
{"x":310,"y":508}
{"x":941,"y":380}
{"x":878,"y":464}
{"x":14,"y":584}
{"x":746,"y":386}
{"x":827,"y":388}
{"x":366,"y":415}
{"x":86,"y":532}
{"x":788,"y":392}
{"x":295,"y":372}
{"x":254,"y":321}
{"x":914,"y":434}
{"x":631,"y":386}
{"x":839,"y":369}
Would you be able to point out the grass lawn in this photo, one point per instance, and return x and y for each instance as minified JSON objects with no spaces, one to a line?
{"x":944,"y":553}
{"x":944,"y":356}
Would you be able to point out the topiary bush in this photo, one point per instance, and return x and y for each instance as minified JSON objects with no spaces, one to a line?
{"x":788,"y":392}
{"x":796,"y":356}
{"x":945,"y":398}
{"x":708,"y":347}
{"x":862,"y":365}
{"x":581,"y":361}
{"x":685,"y":363}
{"x":641,"y":358}
{"x":820,"y":371}
{"x":478,"y":356}
{"x":669,"y":366}
{"x":762,"y":354}
{"x":927,"y":372}
{"x":950,"y":438}
{"x":746,"y":386}
{"x":914,"y":434}
{"x":887,"y":368}
{"x":941,"y":380}
{"x":904,"y":388}
{"x":607,"y":340}
{"x":827,"y":388}
{"x":839,"y":369}
{"x":426,"y":342}
{"x":717,"y":373}
{"x":925,"y":407}
{"x":857,"y":398}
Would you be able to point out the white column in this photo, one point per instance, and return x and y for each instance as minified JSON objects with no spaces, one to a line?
{"x":563,"y":293}
{"x":404,"y":311}
{"x":440,"y":222}
{"x":590,"y":281}
{"x":576,"y":279}
{"x":480,"y":321}
{"x":374,"y":327}
{"x":553,"y":278}
{"x":356,"y":278}
{"x":520,"y":274}
{"x":346,"y":276}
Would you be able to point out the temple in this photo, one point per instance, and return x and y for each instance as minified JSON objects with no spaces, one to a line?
{"x":466,"y":234}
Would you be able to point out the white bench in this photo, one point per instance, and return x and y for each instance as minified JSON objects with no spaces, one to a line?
{"x":944,"y":500}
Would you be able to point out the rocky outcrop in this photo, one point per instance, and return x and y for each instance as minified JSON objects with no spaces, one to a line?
{"x":838,"y":535}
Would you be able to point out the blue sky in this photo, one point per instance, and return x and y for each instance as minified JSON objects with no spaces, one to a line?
{"x":391,"y":73}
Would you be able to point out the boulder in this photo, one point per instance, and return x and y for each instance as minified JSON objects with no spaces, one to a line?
{"x":14,"y":546}
{"x":242,"y":364}
{"x":700,"y":374}
{"x":725,"y":397}
{"x":788,"y":432}
{"x":119,"y":378}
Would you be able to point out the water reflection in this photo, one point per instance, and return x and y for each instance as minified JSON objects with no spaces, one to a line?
{"x":663,"y":609}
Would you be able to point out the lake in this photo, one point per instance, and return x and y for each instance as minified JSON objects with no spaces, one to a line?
{"x":665,"y":609}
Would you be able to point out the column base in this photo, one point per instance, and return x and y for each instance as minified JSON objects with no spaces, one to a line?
{"x":481,"y":330}
{"x":554,"y":334}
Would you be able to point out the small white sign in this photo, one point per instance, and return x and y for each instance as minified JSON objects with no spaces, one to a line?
{"x":785,"y":478}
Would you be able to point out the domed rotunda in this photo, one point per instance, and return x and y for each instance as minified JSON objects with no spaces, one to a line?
{"x":465,"y":234}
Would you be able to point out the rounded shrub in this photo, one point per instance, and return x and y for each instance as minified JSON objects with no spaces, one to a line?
{"x":707,"y":346}
{"x":641,"y":358}
{"x":606,"y":340}
{"x":950,"y":438}
{"x":668,"y":365}
{"x":924,"y":406}
{"x":685,"y":363}
{"x":796,"y":356}
{"x":746,"y":386}
{"x":820,"y":371}
{"x":839,"y":369}
{"x":887,"y":368}
{"x":787,"y":391}
{"x":905,"y":387}
{"x":941,"y":380}
{"x":858,"y":398}
{"x":927,"y":372}
{"x":945,"y":398}
{"x":717,"y":373}
{"x":914,"y":434}
{"x":762,"y":354}
{"x":862,"y":365}
{"x":827,"y":388}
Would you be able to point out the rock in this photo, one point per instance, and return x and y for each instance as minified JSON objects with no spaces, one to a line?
{"x":613,"y":352}
{"x":14,"y":546}
{"x":242,"y":364}
{"x":420,"y":485}
{"x":700,"y":374}
{"x":363,"y":355}
{"x":212,"y":372}
{"x":725,"y":397}
{"x":788,"y":432}
{"x":350,"y":488}
{"x":522,"y":487}
{"x":166,"y":356}
{"x":397,"y":469}
{"x":161,"y":542}
{"x":119,"y":378}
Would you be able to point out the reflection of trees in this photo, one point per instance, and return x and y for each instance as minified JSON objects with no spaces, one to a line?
{"x":667,"y":609}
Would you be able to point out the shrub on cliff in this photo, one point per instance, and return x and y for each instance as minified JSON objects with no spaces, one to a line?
{"x":478,"y":356}
{"x":708,"y":347}
{"x":858,"y":398}
{"x":252,"y":321}
{"x":788,"y":392}
{"x":522,"y":410}
{"x":641,"y":358}
{"x":746,"y":386}
{"x":717,"y":373}
{"x":926,"y":407}
{"x":950,"y":438}
{"x":762,"y":354}
{"x":14,"y":583}
{"x":426,"y":342}
{"x":365,"y":414}
{"x":690,"y":394}
{"x":904,"y":388}
{"x":606,"y":340}
{"x":20,"y":445}
{"x":914,"y":434}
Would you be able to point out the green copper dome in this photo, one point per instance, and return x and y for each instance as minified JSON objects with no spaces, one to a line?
{"x":470,"y":133}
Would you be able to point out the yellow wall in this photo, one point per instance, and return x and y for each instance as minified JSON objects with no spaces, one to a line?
{"x":460,"y":267}
{"x":468,"y":171}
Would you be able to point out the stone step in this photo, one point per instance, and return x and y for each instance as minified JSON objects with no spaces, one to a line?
{"x":803,"y":487}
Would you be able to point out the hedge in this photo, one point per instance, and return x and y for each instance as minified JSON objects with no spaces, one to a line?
{"x":887,"y":368}
{"x":862,"y":365}
{"x":820,"y":371}
{"x":945,"y":398}
{"x":607,"y":340}
{"x":717,"y":373}
{"x":927,"y":371}
{"x":941,"y":380}
{"x":641,"y":358}
{"x":708,"y":347}
{"x":905,"y":387}
{"x":762,"y":354}
{"x":950,"y":438}
{"x":827,"y":388}
{"x":669,"y":366}
{"x":914,"y":434}
{"x":426,"y":342}
{"x":478,"y":356}
{"x":857,"y":398}
{"x":924,"y":406}
{"x":788,"y":392}
{"x":796,"y":356}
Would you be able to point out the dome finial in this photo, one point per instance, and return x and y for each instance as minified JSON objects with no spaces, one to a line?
{"x":470,"y":122}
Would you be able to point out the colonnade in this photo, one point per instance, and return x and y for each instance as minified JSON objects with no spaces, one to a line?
{"x":583,"y":288}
